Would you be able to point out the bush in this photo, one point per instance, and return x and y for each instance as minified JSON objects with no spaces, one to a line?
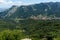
{"x":11,"y":35}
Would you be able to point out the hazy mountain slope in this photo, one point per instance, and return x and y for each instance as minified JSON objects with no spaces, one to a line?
{"x":8,"y":12}
{"x":2,"y":9}
{"x":50,"y":8}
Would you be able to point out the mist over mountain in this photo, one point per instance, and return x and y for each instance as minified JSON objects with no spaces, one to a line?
{"x":51,"y":8}
{"x":2,"y":9}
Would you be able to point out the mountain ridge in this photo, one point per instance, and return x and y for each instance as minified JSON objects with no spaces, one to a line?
{"x":51,"y":8}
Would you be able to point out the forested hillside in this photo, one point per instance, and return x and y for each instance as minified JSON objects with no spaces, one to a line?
{"x":34,"y":29}
{"x":37,"y":22}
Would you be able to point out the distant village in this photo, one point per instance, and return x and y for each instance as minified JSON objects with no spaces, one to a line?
{"x":45,"y":17}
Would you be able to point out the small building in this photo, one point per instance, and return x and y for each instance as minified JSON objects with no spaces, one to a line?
{"x":44,"y":38}
{"x":26,"y":39}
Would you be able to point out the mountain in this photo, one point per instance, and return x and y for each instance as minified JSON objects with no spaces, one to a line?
{"x":51,"y":8}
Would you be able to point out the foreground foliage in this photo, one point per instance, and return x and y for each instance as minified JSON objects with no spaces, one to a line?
{"x":34,"y":29}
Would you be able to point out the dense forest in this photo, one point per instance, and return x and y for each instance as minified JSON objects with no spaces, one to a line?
{"x":34,"y":29}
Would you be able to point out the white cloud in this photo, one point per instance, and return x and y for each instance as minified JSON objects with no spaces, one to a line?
{"x":5,"y":2}
{"x":2,"y":1}
{"x":9,"y":3}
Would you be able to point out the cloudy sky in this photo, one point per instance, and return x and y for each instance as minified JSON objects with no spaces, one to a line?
{"x":8,"y":3}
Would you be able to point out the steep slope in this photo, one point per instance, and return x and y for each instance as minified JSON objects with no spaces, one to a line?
{"x":8,"y":12}
{"x":11,"y":11}
{"x":50,"y":8}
